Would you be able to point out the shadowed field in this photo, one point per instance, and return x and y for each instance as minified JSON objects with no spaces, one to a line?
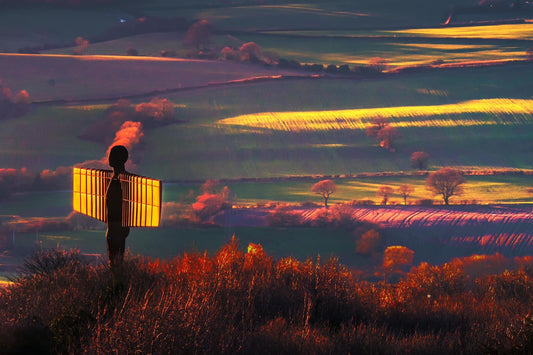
{"x":68,"y":77}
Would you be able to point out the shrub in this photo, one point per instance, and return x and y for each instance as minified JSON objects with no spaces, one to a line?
{"x":246,"y":302}
{"x":48,"y":261}
{"x":284,"y":216}
{"x":369,"y":243}
{"x":132,"y":52}
{"x":251,"y":52}
{"x":332,"y":69}
{"x":228,"y":53}
{"x":81,"y":46}
{"x":169,"y":53}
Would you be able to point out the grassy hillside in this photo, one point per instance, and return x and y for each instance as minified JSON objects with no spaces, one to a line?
{"x":235,"y":302}
{"x":67,"y":77}
{"x":200,"y":147}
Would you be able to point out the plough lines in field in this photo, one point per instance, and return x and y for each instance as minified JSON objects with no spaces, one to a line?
{"x":463,"y":114}
{"x":489,"y":228}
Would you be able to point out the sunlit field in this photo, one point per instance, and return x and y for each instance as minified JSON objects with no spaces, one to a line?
{"x":249,"y":258}
{"x":398,"y":51}
{"x":520,"y":31}
{"x":508,"y":31}
{"x":456,"y":115}
{"x":483,"y":115}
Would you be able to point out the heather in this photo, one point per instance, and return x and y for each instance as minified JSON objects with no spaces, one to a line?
{"x":243,"y":301}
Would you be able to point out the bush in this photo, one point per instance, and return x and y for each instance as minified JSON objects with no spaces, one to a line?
{"x":245,"y":302}
{"x":332,"y":69}
{"x":424,"y":202}
{"x":132,"y":52}
{"x":370,"y":243}
{"x":169,"y":53}
{"x":284,"y":216}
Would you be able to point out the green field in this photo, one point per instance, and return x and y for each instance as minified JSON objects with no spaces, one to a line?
{"x":203,"y":149}
{"x":302,"y":127}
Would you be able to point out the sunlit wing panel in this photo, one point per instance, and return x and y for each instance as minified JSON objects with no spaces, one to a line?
{"x":88,"y":192}
{"x":141,"y":201}
{"x":141,"y":197}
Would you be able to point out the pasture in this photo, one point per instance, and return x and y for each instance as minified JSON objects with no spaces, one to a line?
{"x":472,"y":118}
{"x":465,"y":117}
{"x":399,"y":48}
{"x":69,"y":77}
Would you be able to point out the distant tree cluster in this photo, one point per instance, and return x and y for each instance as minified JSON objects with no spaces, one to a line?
{"x":13,"y":105}
{"x":23,"y":180}
{"x":212,"y":200}
{"x":157,"y":112}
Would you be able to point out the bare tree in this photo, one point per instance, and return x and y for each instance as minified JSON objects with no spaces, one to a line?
{"x":419,"y":160}
{"x":385,"y":192}
{"x":325,"y":188}
{"x":405,"y":191}
{"x":446,"y":182}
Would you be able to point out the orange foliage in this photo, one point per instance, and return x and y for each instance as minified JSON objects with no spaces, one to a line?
{"x":198,"y":34}
{"x":81,"y":46}
{"x":397,"y":257}
{"x":369,"y":242}
{"x":157,"y":109}
{"x":325,"y":188}
{"x":251,"y":52}
{"x":235,"y":302}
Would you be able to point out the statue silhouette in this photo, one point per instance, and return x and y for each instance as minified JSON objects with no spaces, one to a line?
{"x":116,"y":234}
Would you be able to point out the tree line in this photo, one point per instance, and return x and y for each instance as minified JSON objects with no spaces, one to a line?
{"x":445,"y":182}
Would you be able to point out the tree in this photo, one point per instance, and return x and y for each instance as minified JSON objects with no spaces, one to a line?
{"x":369,"y":243}
{"x":251,"y":52}
{"x":419,"y":160}
{"x":529,"y":53}
{"x":386,"y":136}
{"x":385,"y":192}
{"x":376,"y":125}
{"x":198,"y":34}
{"x":446,"y":182}
{"x":378,"y":64}
{"x":383,"y":131}
{"x":325,"y":188}
{"x":81,"y":46}
{"x":405,"y":191}
{"x":397,"y":257}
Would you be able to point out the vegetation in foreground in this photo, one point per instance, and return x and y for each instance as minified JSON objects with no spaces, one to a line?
{"x":236,"y":302}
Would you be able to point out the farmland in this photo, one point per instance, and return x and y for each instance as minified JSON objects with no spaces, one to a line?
{"x":286,"y":128}
{"x":242,"y":116}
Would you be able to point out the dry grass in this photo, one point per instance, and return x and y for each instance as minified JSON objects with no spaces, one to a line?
{"x":243,"y":303}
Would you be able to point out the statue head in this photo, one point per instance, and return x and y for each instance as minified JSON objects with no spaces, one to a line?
{"x":118,"y":157}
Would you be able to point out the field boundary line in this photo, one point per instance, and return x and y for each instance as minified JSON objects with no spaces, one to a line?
{"x":465,"y":172}
{"x":216,"y":84}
